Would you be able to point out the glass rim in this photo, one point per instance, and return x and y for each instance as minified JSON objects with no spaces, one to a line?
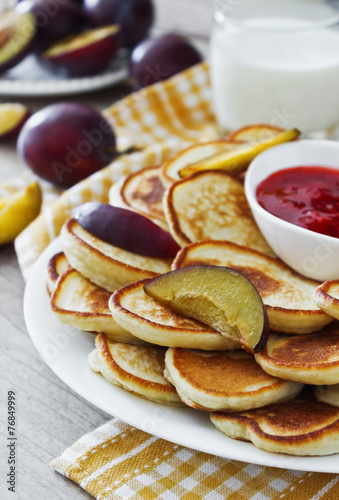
{"x":221,"y":16}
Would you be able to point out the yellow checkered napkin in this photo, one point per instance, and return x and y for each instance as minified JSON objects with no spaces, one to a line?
{"x":119,"y":462}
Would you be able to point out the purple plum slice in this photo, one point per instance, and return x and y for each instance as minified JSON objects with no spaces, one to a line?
{"x":220,"y":297}
{"x":17,"y":33}
{"x":87,"y":53}
{"x":126,"y":229}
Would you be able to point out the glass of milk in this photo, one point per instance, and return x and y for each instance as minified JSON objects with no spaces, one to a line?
{"x":275,"y":62}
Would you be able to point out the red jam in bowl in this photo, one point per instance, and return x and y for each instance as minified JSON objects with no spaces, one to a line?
{"x":306,"y":196}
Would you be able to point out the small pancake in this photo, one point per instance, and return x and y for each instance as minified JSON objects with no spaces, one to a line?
{"x":327,"y":394}
{"x":106,"y":265}
{"x":148,"y":320}
{"x":79,"y":303}
{"x":218,"y":381}
{"x":288,"y":296}
{"x":311,"y":359}
{"x":197,"y":152}
{"x":301,"y":426}
{"x":56,"y":266}
{"x":326,"y":296}
{"x":138,"y":369}
{"x":142,"y":192}
{"x":211,"y":205}
{"x":94,"y":361}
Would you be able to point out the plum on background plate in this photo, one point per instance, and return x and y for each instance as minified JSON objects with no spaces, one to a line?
{"x":54,"y":19}
{"x":218,"y":296}
{"x":17,"y":34}
{"x":84,"y":54}
{"x":156,"y":59}
{"x":13,"y":116}
{"x":135,"y":17}
{"x":66,"y":142}
{"x":126,"y":229}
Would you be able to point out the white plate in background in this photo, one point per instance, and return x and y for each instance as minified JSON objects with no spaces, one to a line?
{"x":29,"y":79}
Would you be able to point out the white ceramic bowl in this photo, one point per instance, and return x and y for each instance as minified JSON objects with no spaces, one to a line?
{"x":311,"y":254}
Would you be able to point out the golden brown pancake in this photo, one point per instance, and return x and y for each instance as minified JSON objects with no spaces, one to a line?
{"x":198,"y":152}
{"x":327,"y":394}
{"x":106,"y":265}
{"x":230,"y":380}
{"x":142,"y":192}
{"x":79,"y":303}
{"x":138,"y":369}
{"x":56,"y":266}
{"x":211,"y":205}
{"x":288,"y":296}
{"x":301,"y":426}
{"x":326,"y":296}
{"x":311,"y":359}
{"x":148,"y":320}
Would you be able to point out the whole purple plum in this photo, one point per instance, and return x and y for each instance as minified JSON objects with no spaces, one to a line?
{"x":156,"y":59}
{"x":135,"y":17}
{"x":66,"y":142}
{"x":54,"y":19}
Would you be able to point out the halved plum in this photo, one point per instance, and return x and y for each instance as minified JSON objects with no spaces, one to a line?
{"x":84,"y":54}
{"x":218,"y":296}
{"x":126,"y":229}
{"x":13,"y":116}
{"x":17,"y":33}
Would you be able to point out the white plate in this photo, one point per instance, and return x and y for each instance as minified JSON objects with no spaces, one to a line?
{"x":65,"y":350}
{"x":29,"y":79}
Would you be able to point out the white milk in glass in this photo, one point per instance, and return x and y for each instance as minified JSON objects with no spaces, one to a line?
{"x":275,"y":70}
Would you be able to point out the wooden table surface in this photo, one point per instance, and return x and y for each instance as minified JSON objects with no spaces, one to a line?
{"x":49,"y":416}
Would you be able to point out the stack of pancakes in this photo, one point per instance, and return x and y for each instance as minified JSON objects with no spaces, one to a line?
{"x":284,"y":398}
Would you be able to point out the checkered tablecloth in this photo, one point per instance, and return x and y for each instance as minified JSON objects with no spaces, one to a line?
{"x":119,"y":462}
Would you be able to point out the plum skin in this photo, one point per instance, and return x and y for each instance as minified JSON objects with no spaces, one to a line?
{"x":66,"y":142}
{"x":158,"y":58}
{"x":126,"y":229}
{"x":136,"y":17}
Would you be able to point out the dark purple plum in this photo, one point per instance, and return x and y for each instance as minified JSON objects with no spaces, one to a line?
{"x":54,"y":19}
{"x":66,"y":142}
{"x":87,"y":53}
{"x":136,"y":17}
{"x":17,"y":35}
{"x":156,"y":59}
{"x":126,"y":229}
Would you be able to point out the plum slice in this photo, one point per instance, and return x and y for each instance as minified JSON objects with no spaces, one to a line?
{"x":13,"y":116}
{"x":126,"y":229}
{"x":17,"y":32}
{"x":237,"y":160}
{"x":84,"y":54}
{"x":220,"y":297}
